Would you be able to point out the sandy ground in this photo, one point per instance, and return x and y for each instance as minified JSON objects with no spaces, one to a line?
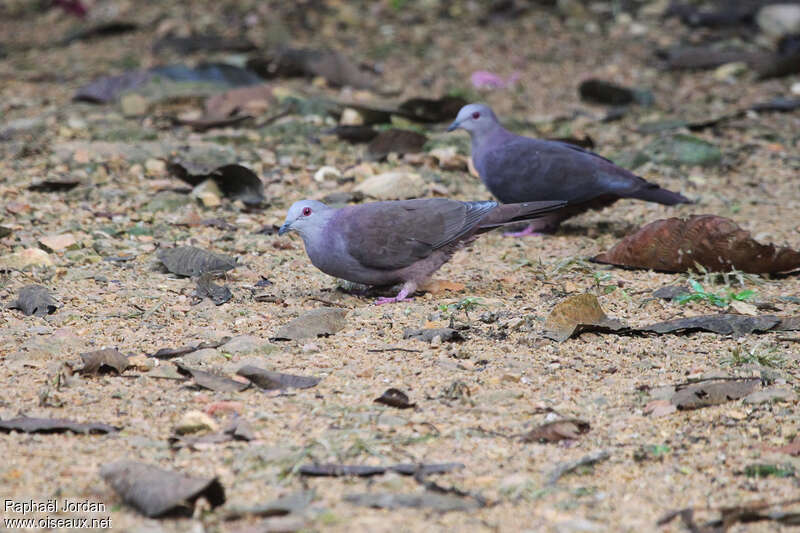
{"x":509,"y":376}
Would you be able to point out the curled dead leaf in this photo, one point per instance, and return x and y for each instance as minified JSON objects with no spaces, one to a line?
{"x":715,"y":243}
{"x":104,"y":362}
{"x":570,"y":428}
{"x":395,"y":398}
{"x":155,"y":492}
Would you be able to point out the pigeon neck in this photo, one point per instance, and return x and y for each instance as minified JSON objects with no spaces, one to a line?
{"x":487,"y":136}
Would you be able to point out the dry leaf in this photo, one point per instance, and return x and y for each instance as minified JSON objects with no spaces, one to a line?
{"x":235,"y":181}
{"x":267,"y":380}
{"x":320,"y":322}
{"x":715,"y":243}
{"x":571,"y":428}
{"x":722,"y":324}
{"x":103,"y":362}
{"x":34,"y":300}
{"x":52,"y":425}
{"x":155,"y":492}
{"x":395,"y":398}
{"x":211,"y":381}
{"x":337,"y":470}
{"x":192,"y":261}
{"x":712,"y":392}
{"x":427,"y":335}
{"x":578,"y":313}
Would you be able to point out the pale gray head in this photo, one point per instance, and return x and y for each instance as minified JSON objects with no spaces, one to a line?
{"x":305,"y":217}
{"x":475,"y":118}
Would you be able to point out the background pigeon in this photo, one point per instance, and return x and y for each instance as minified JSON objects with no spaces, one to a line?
{"x":385,"y":243}
{"x":522,"y":169}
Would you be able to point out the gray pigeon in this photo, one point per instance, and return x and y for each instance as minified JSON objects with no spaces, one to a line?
{"x":522,"y":169}
{"x":385,"y":243}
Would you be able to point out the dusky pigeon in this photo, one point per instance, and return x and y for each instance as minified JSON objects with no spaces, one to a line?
{"x":386,"y":243}
{"x":521,"y":169}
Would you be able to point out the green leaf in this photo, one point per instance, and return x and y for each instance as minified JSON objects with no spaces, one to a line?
{"x":744,"y":295}
{"x":696,"y":286}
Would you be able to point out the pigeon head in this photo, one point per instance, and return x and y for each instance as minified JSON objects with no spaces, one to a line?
{"x":304,"y":217}
{"x":475,"y":118}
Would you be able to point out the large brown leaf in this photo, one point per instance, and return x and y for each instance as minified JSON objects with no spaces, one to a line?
{"x":715,"y":243}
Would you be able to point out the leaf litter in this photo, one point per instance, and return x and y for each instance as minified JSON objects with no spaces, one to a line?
{"x":34,"y":300}
{"x":211,"y":381}
{"x":501,"y":375}
{"x":53,"y":425}
{"x":395,"y":398}
{"x":191,"y":261}
{"x":156,"y":492}
{"x":268,"y":380}
{"x":108,"y":360}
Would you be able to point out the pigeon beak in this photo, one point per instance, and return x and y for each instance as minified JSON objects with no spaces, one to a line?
{"x":454,"y":126}
{"x":285,"y":228}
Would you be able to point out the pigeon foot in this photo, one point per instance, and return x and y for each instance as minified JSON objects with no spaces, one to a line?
{"x":401,"y":296}
{"x":524,"y":233}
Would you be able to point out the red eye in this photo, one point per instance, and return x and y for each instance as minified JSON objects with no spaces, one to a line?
{"x":306,"y":211}
{"x":476,"y":115}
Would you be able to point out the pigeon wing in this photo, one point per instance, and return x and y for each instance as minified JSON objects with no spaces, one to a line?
{"x":394,"y":235}
{"x":527,"y":169}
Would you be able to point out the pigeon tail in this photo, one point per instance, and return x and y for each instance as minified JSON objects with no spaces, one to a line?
{"x":660,"y":196}
{"x":510,"y":213}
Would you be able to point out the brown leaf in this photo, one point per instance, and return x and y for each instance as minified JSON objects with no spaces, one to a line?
{"x":571,"y":428}
{"x":576,"y":314}
{"x":34,"y":300}
{"x":712,"y":392}
{"x":722,"y":324}
{"x":395,"y":398}
{"x":715,"y":243}
{"x":427,"y":335}
{"x":169,"y":353}
{"x":103,"y":362}
{"x":155,"y":492}
{"x":53,"y":425}
{"x":192,"y":261}
{"x":211,"y":381}
{"x":397,"y":141}
{"x":320,"y":322}
{"x":235,"y":181}
{"x":406,"y":469}
{"x":207,"y":288}
{"x":417,"y":500}
{"x":265,"y":379}
{"x":54,"y":185}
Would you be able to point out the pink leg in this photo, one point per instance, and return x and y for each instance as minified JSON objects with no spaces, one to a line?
{"x":524,"y":233}
{"x":408,"y":288}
